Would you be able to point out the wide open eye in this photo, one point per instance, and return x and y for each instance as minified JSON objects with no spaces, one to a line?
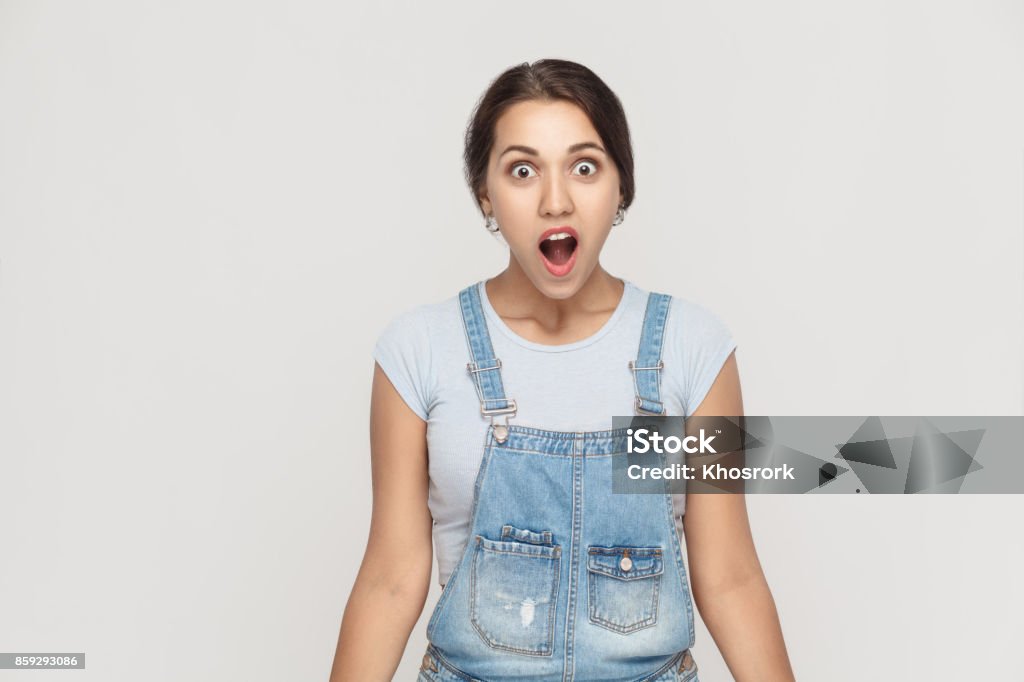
{"x":517,"y":171}
{"x":587,"y":168}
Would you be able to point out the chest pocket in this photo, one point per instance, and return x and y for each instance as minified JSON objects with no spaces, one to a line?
{"x":625,"y":583}
{"x":514,"y":589}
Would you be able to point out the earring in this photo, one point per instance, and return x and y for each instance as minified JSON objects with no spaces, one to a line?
{"x":620,"y":215}
{"x":491,"y":225}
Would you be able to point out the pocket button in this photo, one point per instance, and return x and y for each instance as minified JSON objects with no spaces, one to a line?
{"x":624,"y":584}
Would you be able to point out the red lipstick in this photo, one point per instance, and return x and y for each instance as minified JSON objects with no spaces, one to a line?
{"x":556,"y":230}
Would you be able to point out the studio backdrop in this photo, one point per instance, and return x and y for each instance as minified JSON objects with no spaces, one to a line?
{"x":210,"y":211}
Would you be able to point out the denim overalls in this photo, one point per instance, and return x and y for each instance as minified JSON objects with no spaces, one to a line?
{"x":561,"y":580}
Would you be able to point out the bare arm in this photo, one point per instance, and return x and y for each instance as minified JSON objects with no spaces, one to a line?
{"x":391,"y":587}
{"x":729,"y":586}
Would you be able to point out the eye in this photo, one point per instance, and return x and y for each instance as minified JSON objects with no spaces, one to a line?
{"x":517,"y":171}
{"x":587,"y":167}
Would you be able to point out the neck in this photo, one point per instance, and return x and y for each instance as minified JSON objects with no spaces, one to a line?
{"x":513,"y":295}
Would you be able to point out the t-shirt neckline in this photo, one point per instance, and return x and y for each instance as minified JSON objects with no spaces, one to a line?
{"x":628,"y":291}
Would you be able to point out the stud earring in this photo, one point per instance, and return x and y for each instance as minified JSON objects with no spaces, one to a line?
{"x":620,"y":215}
{"x":491,"y":225}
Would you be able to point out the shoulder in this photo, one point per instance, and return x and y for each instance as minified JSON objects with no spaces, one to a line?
{"x":695,"y":321}
{"x":686,"y":318}
{"x":411,"y":336}
{"x":406,"y":322}
{"x":697,"y":342}
{"x":407,"y":347}
{"x":418,"y":323}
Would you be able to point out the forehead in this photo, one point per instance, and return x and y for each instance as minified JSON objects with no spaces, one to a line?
{"x":547,"y":126}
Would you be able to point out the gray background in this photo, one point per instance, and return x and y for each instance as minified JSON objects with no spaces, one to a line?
{"x":210,"y":210}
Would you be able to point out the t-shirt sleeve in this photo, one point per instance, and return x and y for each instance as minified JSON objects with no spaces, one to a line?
{"x":701,"y":342}
{"x":403,"y":352}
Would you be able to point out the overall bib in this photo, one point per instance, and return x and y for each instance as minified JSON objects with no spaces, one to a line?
{"x":561,"y":580}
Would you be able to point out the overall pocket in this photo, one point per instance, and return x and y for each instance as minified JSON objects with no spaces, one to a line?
{"x":514,"y":590}
{"x":624,"y":587}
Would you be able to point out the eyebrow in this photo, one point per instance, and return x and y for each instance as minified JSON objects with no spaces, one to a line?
{"x":533,"y":152}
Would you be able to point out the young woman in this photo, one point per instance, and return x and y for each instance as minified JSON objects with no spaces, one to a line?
{"x":510,"y":387}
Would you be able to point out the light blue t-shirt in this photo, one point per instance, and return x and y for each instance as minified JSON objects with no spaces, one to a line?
{"x":576,"y":386}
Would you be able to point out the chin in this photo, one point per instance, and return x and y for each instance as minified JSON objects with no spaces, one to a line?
{"x":559,"y":288}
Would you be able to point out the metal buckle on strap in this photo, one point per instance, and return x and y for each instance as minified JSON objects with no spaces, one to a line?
{"x":471,"y":366}
{"x":500,"y":430}
{"x":510,"y":409}
{"x":640,"y":410}
{"x":660,"y":365}
{"x":637,"y":402}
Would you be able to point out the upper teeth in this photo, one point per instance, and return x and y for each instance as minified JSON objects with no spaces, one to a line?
{"x":559,"y":235}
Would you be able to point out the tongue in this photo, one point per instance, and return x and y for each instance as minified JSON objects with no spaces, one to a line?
{"x":558,"y":251}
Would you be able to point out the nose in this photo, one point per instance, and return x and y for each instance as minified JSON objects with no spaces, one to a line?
{"x":556,"y":198}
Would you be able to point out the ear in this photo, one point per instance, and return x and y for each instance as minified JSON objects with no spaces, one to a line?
{"x":485,"y":204}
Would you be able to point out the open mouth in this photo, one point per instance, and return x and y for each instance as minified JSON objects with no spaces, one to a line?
{"x":558,"y":248}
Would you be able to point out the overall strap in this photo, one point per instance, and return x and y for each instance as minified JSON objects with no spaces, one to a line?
{"x":484,"y":368}
{"x":648,"y":365}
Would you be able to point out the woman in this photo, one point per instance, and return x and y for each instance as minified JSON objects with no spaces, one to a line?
{"x":511,"y":386}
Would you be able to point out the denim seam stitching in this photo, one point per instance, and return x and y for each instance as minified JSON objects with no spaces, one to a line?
{"x":445,"y":663}
{"x":504,"y":448}
{"x":569,"y":670}
{"x":677,"y":551}
{"x":551,"y":551}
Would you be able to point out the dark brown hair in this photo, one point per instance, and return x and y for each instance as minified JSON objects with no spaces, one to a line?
{"x":549,"y":79}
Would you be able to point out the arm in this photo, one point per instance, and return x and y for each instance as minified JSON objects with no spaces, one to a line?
{"x":391,"y":587}
{"x":729,"y":587}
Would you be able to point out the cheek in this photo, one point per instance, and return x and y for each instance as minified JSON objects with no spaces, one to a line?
{"x":599,"y":212}
{"x":603,"y":196}
{"x":509,"y":207}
